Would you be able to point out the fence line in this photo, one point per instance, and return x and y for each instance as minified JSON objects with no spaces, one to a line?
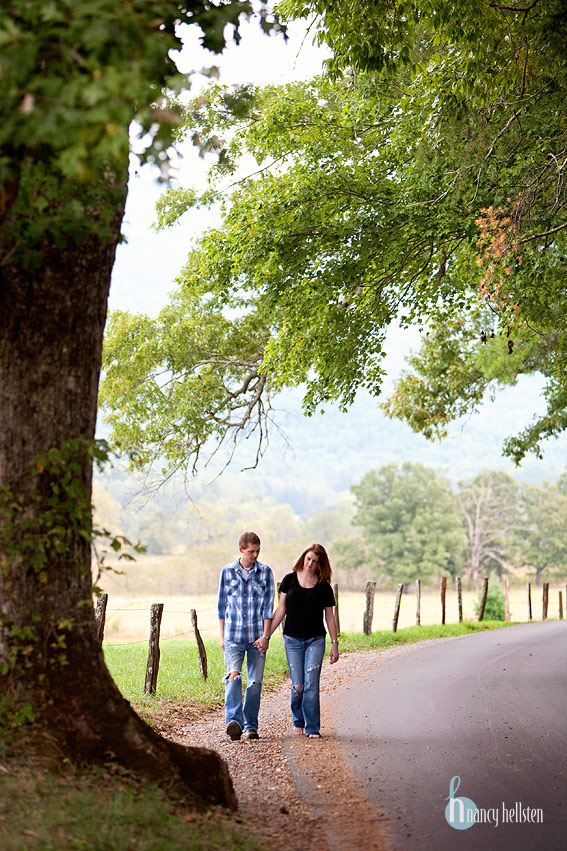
{"x":173,"y":611}
{"x":156,"y":612}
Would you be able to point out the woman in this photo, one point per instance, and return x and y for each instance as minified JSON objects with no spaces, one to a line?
{"x":305,"y":595}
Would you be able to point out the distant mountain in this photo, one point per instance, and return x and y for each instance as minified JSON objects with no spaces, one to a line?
{"x":315,"y":460}
{"x":327,"y":453}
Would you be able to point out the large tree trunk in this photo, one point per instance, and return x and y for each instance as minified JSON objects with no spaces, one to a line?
{"x":51,"y":328}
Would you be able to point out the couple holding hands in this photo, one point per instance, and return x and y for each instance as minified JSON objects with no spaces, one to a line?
{"x":247,"y":621}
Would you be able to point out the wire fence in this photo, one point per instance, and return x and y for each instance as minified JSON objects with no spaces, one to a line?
{"x":196,"y":632}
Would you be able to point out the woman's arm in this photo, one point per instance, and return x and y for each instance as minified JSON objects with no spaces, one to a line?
{"x":279,"y":614}
{"x":332,"y":627}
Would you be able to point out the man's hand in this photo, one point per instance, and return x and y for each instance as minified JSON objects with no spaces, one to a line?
{"x":334,"y":654}
{"x":262,"y":643}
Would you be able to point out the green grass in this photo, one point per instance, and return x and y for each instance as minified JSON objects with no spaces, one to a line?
{"x":180,"y":678}
{"x":413,"y":634}
{"x":96,"y":812}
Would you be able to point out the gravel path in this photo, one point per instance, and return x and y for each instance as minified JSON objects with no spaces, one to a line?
{"x":293,"y":792}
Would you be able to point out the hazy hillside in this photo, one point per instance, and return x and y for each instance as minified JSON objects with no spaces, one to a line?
{"x":309,"y":471}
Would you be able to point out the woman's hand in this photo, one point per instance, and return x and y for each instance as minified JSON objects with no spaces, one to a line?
{"x":262,"y":643}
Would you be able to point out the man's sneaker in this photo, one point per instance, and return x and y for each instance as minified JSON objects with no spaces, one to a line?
{"x":234,"y":730}
{"x":249,"y":735}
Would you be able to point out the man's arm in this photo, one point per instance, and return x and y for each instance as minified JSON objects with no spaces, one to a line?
{"x":221,"y":607}
{"x":268,"y":602}
{"x":268,"y":613}
{"x":270,"y":626}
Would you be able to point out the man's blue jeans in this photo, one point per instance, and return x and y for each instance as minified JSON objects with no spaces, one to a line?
{"x":245,"y":715}
{"x":305,"y":657}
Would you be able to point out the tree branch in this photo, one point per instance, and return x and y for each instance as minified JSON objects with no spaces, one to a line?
{"x":525,"y":9}
{"x":542,"y":234}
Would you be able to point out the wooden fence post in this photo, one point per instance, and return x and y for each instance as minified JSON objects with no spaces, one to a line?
{"x":369,"y":610}
{"x":507,"y":599}
{"x":483,"y":598}
{"x":459,"y":598}
{"x":336,"y":592}
{"x":397,"y":607}
{"x":529,"y":601}
{"x":561,"y":605}
{"x":100,"y":616}
{"x":418,"y":603}
{"x":152,"y":668}
{"x":443,"y":597}
{"x":545,"y":601}
{"x":200,"y":646}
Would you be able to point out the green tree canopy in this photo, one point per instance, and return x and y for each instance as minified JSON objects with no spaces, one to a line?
{"x":542,"y":541}
{"x":492,"y":41}
{"x":409,"y":193}
{"x":410,"y":522}
{"x":490,"y":507}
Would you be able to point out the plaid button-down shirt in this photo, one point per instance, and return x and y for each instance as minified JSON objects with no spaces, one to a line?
{"x":245,"y":605}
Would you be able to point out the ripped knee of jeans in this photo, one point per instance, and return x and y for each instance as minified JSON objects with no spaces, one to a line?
{"x":298,"y":687}
{"x":232,"y":675}
{"x":314,"y":667}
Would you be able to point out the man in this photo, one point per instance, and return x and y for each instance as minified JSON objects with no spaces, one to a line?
{"x":245,"y":610}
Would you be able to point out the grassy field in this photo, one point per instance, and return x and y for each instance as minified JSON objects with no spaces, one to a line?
{"x":128,"y":617}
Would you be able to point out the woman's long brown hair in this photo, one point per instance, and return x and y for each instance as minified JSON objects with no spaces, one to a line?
{"x":323,"y":570}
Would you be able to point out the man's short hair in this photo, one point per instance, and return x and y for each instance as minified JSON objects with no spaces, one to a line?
{"x":248,"y":538}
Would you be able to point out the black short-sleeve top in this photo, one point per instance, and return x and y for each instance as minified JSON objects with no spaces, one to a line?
{"x":304,"y":607}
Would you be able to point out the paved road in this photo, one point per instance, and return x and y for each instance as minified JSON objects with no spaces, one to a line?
{"x":489,"y":709}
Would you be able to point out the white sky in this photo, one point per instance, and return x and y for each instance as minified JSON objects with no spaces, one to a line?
{"x":147,"y":265}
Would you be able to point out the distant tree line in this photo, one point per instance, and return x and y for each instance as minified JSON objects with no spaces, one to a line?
{"x":414,"y":524}
{"x":403,"y":522}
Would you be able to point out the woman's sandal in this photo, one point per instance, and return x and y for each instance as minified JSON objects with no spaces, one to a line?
{"x":314,"y":736}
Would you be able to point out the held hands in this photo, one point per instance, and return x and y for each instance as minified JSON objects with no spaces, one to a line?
{"x":262,"y":643}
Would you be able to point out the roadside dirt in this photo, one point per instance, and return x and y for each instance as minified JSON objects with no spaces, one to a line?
{"x":293,"y":792}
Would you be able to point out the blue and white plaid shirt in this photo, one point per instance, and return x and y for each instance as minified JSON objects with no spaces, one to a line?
{"x":245,"y":605}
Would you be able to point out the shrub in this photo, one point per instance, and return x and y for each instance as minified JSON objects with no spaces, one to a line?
{"x":494,"y":609}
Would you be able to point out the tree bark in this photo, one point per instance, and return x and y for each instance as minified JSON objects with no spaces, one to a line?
{"x":52,"y":320}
